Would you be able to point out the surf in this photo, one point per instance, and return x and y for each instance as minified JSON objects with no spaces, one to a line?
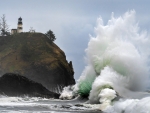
{"x":117,"y":64}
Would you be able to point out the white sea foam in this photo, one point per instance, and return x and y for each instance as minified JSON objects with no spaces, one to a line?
{"x":117,"y":59}
{"x":130,"y":106}
{"x":67,"y":93}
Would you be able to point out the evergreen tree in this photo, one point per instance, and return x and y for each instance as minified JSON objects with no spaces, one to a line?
{"x":50,"y":35}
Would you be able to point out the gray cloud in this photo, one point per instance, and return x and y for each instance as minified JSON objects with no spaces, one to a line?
{"x":71,"y":20}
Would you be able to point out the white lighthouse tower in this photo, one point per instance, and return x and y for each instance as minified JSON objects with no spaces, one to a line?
{"x":19,"y":28}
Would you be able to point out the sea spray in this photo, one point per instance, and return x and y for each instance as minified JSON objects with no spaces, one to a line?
{"x":117,"y":59}
{"x":130,"y":106}
{"x":67,"y":93}
{"x":117,"y":66}
{"x":106,"y":96}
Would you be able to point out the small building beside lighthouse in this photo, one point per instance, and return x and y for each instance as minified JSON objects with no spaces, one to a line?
{"x":19,"y":27}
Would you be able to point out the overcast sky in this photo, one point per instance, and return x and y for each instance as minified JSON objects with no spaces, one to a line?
{"x":72,"y":21}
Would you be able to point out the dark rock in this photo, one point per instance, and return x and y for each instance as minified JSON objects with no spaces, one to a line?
{"x":66,"y":106}
{"x":17,"y":85}
{"x":34,"y":56}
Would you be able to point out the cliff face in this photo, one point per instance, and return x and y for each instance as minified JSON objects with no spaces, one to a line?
{"x":17,"y":85}
{"x":34,"y":56}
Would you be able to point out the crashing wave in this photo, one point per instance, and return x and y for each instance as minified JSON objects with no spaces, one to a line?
{"x":117,"y":62}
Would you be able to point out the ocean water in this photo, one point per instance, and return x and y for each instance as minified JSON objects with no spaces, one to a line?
{"x":42,"y":105}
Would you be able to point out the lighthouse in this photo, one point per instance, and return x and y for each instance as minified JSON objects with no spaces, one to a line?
{"x":19,"y":28}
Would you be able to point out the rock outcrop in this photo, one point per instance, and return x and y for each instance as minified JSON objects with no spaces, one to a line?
{"x":34,"y":56}
{"x":17,"y":85}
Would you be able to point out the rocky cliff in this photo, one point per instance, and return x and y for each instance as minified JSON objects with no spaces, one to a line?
{"x":34,"y":56}
{"x":17,"y":85}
